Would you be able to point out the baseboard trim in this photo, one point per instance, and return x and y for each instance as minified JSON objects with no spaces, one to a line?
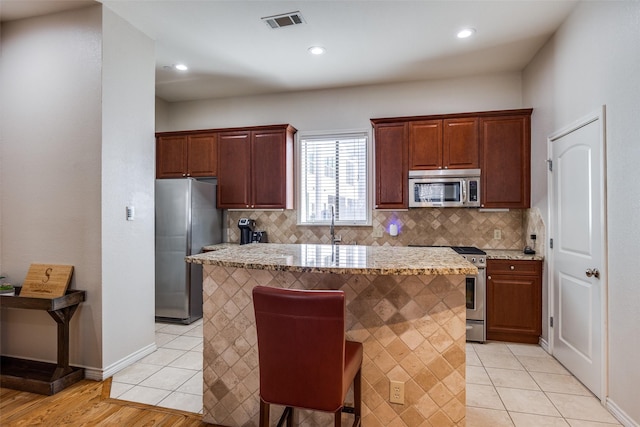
{"x":544,"y":344}
{"x":109,"y":371}
{"x":620,"y":415}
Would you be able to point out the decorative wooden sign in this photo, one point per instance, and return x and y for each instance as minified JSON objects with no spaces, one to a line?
{"x":46,"y":280}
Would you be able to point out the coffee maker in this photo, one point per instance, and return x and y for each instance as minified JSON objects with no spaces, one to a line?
{"x":246,"y":227}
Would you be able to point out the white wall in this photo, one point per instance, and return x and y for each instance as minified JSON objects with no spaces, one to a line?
{"x":128,"y":176}
{"x":77,"y":148}
{"x":51,"y":164}
{"x":349,"y":108}
{"x":593,"y":60}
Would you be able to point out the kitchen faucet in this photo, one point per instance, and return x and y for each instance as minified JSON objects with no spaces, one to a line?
{"x":332,"y":230}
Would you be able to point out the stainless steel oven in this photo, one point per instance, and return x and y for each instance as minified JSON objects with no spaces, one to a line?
{"x":476,"y":293}
{"x":476,"y":296}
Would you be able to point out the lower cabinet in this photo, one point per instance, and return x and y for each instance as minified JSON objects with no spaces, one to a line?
{"x":514,"y":300}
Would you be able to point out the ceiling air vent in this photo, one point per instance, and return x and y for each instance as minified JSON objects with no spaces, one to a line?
{"x":284,"y":20}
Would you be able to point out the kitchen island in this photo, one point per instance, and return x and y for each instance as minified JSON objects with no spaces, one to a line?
{"x":406,"y":305}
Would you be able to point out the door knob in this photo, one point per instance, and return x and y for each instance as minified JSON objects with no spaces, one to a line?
{"x":592,"y":272}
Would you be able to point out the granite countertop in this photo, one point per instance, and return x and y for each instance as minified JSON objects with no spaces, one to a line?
{"x":340,"y":259}
{"x":511,"y":254}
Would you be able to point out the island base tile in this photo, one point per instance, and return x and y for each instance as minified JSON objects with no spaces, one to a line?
{"x":412,"y":328}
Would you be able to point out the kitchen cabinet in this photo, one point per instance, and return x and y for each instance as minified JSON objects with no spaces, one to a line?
{"x":255,"y":168}
{"x":391,"y":165}
{"x":506,"y":160}
{"x":496,"y":142}
{"x":186,"y":154}
{"x":444,"y":144}
{"x":514,"y":300}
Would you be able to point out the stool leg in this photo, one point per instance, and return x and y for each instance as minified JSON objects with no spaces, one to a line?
{"x":290,"y":417}
{"x":264,"y":414}
{"x":357,"y":398}
{"x":337,"y":422}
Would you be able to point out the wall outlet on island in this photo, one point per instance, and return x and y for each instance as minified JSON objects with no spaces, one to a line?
{"x":497,"y":234}
{"x":396,"y":394}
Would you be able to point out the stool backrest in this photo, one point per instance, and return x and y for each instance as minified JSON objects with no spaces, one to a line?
{"x":301,"y":345}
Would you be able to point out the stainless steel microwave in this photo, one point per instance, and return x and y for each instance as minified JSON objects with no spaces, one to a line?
{"x":444,"y":188}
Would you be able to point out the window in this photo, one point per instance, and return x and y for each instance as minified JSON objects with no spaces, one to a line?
{"x":333,"y":172}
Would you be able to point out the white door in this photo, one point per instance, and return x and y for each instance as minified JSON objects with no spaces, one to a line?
{"x":578,"y":256}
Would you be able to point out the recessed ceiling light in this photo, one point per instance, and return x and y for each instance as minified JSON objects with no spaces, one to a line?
{"x":179,"y":67}
{"x":317,"y":50}
{"x":467,"y":32}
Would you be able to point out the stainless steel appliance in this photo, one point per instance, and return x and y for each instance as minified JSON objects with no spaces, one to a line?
{"x":186,"y":220}
{"x":476,"y":293}
{"x":444,"y":188}
{"x":259,"y":237}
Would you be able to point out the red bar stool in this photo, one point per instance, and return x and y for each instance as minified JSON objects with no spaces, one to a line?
{"x":305,"y":361}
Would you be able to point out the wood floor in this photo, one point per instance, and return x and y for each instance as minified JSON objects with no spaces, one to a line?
{"x":86,"y":403}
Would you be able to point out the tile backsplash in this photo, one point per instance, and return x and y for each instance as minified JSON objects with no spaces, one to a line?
{"x":425,"y":226}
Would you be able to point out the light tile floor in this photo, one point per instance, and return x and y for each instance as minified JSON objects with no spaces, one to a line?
{"x":507,"y":384}
{"x":522,"y":385}
{"x":171,"y":376}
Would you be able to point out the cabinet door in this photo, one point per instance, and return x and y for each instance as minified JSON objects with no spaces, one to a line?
{"x":425,"y":145}
{"x":234,"y":172}
{"x":268,"y":169}
{"x":461,"y":147}
{"x":171,"y":159}
{"x":202,"y":155}
{"x":514,"y":301}
{"x":506,"y":170}
{"x":392,"y":173}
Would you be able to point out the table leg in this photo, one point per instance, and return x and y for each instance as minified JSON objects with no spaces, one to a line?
{"x":62,"y":318}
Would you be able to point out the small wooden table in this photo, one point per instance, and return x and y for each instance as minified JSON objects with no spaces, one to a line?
{"x":43,"y":377}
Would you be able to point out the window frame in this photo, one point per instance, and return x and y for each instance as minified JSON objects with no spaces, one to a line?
{"x":340,"y":134}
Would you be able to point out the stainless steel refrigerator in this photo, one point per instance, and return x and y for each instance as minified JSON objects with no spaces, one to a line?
{"x":186,"y":220}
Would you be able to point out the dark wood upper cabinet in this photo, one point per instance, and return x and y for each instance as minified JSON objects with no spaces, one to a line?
{"x":461,"y":146}
{"x":425,"y":144}
{"x":270,"y":169}
{"x":506,"y":161}
{"x":496,"y":142}
{"x":391,"y":165}
{"x":256,"y":168}
{"x":183,"y":155}
{"x":514,"y":300}
{"x":202,"y":155}
{"x":444,"y":144}
{"x":234,"y":154}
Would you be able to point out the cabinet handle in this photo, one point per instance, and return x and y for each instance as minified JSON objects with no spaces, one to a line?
{"x":488,"y":277}
{"x":184,"y":174}
{"x":512,"y":267}
{"x":446,"y":167}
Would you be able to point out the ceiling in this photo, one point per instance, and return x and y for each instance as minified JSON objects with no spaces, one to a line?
{"x":231,"y":52}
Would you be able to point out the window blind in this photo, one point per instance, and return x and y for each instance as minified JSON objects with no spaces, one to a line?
{"x":333,"y":173}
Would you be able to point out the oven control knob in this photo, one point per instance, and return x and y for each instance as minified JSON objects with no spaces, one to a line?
{"x":481,"y":260}
{"x":473,"y":260}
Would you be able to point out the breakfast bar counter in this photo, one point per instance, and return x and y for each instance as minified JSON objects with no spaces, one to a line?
{"x":406,"y":305}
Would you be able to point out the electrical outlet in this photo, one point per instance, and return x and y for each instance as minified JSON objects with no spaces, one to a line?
{"x":497,"y":234}
{"x":377,"y":233}
{"x":396,"y":393}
